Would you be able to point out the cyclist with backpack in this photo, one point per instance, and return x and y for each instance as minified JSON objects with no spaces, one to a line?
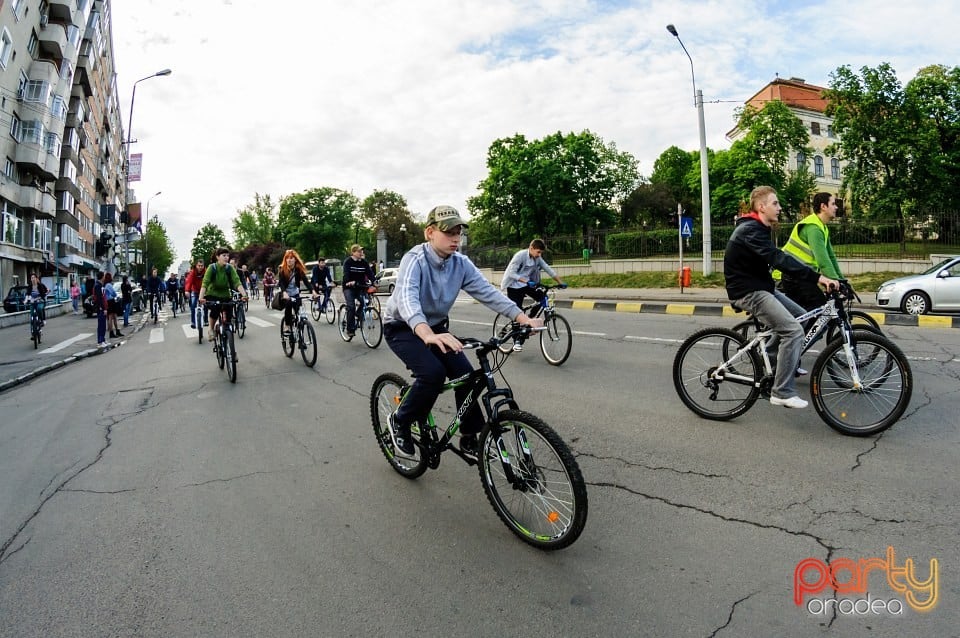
{"x":218,"y":281}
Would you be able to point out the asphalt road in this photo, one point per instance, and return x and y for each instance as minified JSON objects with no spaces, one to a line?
{"x":145,"y":495}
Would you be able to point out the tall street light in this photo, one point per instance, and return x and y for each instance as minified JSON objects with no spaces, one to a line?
{"x":146,"y":232}
{"x":126,"y":191}
{"x":704,"y":173}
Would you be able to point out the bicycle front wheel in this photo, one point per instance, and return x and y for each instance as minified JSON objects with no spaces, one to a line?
{"x":532,"y":480}
{"x":286,"y":340}
{"x":218,"y":348}
{"x":230,"y":356}
{"x":371,"y":327}
{"x":385,"y":397}
{"x":713,"y":377}
{"x":882,"y":394}
{"x":859,"y":320}
{"x":557,"y":340}
{"x":198,"y":319}
{"x":330,"y":311}
{"x":308,"y":344}
{"x":501,"y":327}
{"x":315,"y":309}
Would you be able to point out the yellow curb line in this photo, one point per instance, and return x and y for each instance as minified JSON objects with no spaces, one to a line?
{"x":625,"y":306}
{"x":728,"y":311}
{"x":582,"y":305}
{"x":680,"y":308}
{"x":935,"y":322}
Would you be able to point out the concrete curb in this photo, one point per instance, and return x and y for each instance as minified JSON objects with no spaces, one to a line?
{"x":78,"y":356}
{"x":717,"y":310}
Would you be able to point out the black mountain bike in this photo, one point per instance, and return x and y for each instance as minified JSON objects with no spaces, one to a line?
{"x":154,"y":306}
{"x":302,"y":335}
{"x":326,"y":309}
{"x":223,"y":345}
{"x":36,"y":325}
{"x":528,"y":473}
{"x":556,"y":341}
{"x":861,"y":382}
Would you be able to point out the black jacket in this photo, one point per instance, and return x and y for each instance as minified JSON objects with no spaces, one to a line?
{"x":751,"y":255}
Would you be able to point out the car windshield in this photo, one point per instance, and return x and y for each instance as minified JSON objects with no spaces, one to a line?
{"x":942,"y":264}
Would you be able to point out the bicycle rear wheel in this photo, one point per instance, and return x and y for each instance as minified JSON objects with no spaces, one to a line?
{"x":286,"y":340}
{"x":315,"y":309}
{"x":371,"y":327}
{"x":884,"y":391}
{"x":198,"y":322}
{"x":230,"y":355}
{"x":218,"y":348}
{"x":330,"y":310}
{"x":557,"y":340}
{"x":539,"y":494}
{"x":385,"y":397}
{"x":723,"y":396}
{"x":342,"y":312}
{"x":308,"y":344}
{"x":241,"y":321}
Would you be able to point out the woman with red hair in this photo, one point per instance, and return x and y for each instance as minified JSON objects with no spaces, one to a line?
{"x":292,"y":275}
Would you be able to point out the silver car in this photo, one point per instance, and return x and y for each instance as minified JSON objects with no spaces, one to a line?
{"x":387,"y":280}
{"x":936,"y":290}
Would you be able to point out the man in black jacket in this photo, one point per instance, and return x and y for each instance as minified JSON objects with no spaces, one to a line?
{"x":747,"y":262}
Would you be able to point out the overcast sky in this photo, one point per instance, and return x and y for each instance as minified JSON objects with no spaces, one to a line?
{"x":407,"y":95}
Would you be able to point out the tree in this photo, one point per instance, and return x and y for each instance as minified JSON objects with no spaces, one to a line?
{"x":649,"y":205}
{"x":208,"y":239}
{"x":255,"y":223}
{"x":558,"y":185}
{"x":156,"y":246}
{"x":670,"y":171}
{"x":387,"y":211}
{"x":319,"y":221}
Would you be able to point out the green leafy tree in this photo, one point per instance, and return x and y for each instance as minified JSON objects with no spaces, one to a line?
{"x":554,"y":186}
{"x":388,"y":211}
{"x":649,"y":206}
{"x":671,"y":170}
{"x":156,"y":246}
{"x":256,"y":223}
{"x":208,"y":239}
{"x":320,"y":221}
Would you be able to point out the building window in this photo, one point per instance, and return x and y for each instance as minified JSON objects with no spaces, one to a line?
{"x":59,"y":108}
{"x":801,"y":160}
{"x":830,"y":132}
{"x":10,"y":169}
{"x":815,"y":128}
{"x":835,"y":168}
{"x":52,"y":143}
{"x":12,"y":225}
{"x":818,"y":166}
{"x":16,"y":5}
{"x":32,"y":133}
{"x":16,"y":127}
{"x":37,"y":91}
{"x":66,"y":202}
{"x":33,"y":44}
{"x":6,"y":47}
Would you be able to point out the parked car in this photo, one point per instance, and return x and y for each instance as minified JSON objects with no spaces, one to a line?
{"x":13,"y":302}
{"x":936,"y":290}
{"x":387,"y":280}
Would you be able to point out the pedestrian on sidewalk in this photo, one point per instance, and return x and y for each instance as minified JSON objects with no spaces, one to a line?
{"x":113,"y":305}
{"x":126,"y":298}
{"x":75,"y":295}
{"x":100,"y":303}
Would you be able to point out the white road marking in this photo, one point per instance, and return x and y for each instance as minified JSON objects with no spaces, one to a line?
{"x":191,"y":333}
{"x":63,"y":344}
{"x":590,"y":334}
{"x":659,"y":339}
{"x":260,"y":322}
{"x":156,"y":335}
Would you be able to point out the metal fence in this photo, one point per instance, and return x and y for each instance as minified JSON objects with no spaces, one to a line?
{"x":916,"y":238}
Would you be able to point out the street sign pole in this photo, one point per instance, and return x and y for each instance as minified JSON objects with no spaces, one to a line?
{"x":680,"y":242}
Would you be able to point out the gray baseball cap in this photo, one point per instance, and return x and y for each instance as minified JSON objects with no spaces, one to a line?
{"x":445,"y":218}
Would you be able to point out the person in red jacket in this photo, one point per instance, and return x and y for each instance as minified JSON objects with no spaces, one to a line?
{"x":191,"y":287}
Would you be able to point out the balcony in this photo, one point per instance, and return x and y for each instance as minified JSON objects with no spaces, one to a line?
{"x":60,"y":10}
{"x":85,"y":66}
{"x":53,"y":41}
{"x":77,"y":113}
{"x":66,"y":184}
{"x":45,"y":70}
{"x":65,"y":218}
{"x":9,"y":188}
{"x":41,"y":203}
{"x":33,"y":158}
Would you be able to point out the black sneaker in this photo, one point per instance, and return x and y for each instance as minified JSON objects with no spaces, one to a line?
{"x":401,"y":436}
{"x":469,"y":444}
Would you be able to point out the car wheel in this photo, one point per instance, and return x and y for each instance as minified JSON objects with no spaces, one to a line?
{"x":390,"y":289}
{"x":915,"y":303}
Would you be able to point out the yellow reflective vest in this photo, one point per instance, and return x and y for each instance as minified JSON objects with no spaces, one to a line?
{"x":800,"y":249}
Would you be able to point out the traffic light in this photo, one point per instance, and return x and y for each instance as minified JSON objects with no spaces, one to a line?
{"x":104,"y":244}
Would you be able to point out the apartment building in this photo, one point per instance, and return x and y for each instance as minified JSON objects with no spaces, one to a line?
{"x":60,"y":139}
{"x":807,"y":103}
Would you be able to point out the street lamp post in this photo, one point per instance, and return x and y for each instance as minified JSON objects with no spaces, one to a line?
{"x":126,"y":191}
{"x":704,"y":169}
{"x":403,"y":239}
{"x":56,"y":265}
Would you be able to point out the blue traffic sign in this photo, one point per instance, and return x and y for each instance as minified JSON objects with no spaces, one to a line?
{"x":686,"y":226}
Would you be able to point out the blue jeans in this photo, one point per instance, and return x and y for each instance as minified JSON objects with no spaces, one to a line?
{"x":777,"y":312}
{"x":126,"y":313}
{"x":101,"y":326}
{"x":430,"y":369}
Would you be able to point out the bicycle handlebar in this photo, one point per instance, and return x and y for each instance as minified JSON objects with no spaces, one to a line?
{"x":471,"y":343}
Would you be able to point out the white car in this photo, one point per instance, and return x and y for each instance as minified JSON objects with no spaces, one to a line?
{"x":937,"y":290}
{"x":387,"y":280}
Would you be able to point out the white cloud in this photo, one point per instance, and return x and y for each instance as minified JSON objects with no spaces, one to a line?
{"x":279,"y":97}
